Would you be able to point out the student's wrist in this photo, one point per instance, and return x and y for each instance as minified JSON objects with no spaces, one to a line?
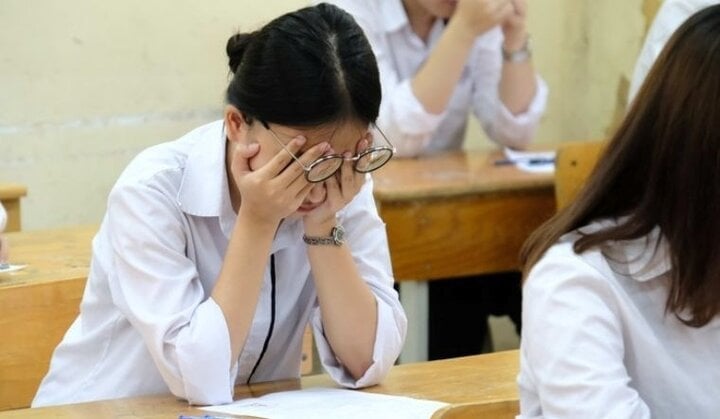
{"x":319,"y":227}
{"x":515,"y":41}
{"x":462,"y":33}
{"x":257,"y":223}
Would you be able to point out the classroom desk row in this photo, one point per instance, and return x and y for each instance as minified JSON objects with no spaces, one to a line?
{"x":446,"y":216}
{"x":484,"y":378}
{"x":453,"y":215}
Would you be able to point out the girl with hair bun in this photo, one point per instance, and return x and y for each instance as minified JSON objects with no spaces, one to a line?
{"x":217,"y":249}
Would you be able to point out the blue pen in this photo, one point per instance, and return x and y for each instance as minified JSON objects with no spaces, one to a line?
{"x":531,"y":161}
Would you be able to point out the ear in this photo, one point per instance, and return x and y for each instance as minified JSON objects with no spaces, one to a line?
{"x":235,"y":125}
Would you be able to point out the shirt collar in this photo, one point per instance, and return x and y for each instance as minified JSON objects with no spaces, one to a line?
{"x":642,"y":259}
{"x":204,"y":188}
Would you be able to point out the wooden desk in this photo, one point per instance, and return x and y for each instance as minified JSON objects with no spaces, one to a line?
{"x":454,"y":215}
{"x":38,"y":304}
{"x":10,"y":194}
{"x":481,"y":378}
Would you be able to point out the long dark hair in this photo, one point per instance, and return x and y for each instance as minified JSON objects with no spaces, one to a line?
{"x":662,"y":169}
{"x":305,"y":68}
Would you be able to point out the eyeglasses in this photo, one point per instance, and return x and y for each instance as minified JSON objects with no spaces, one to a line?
{"x":324,"y":167}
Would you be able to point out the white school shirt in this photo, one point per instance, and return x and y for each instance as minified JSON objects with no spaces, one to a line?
{"x":147,"y":322}
{"x":400,"y":54}
{"x":669,"y":17}
{"x":597,"y":342}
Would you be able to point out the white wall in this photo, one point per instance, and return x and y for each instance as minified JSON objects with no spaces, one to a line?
{"x":85,"y":85}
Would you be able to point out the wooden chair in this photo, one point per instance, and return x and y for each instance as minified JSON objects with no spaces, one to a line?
{"x":573,"y":164}
{"x":477,"y":410}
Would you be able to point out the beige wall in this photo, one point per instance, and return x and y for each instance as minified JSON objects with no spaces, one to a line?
{"x":88,"y":84}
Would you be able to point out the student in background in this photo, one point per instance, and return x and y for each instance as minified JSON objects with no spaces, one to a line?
{"x":621,"y":305}
{"x":440,"y":60}
{"x":671,"y":14}
{"x":218,"y":248}
{"x":4,"y":246}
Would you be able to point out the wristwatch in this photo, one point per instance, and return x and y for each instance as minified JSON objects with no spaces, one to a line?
{"x":520,"y":55}
{"x":336,"y":238}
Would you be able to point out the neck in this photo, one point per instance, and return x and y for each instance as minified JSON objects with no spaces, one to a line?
{"x":421,"y":20}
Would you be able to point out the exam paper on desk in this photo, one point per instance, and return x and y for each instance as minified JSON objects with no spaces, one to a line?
{"x":532,"y":161}
{"x":330,"y":403}
{"x":8,"y":267}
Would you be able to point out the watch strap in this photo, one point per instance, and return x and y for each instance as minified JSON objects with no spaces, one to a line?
{"x":522,"y":54}
{"x":336,"y":238}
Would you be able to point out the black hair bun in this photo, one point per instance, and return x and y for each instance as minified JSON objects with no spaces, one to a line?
{"x":236,"y":46}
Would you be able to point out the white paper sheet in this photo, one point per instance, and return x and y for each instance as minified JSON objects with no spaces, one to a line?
{"x":8,"y":267}
{"x":330,"y":403}
{"x":531,"y":161}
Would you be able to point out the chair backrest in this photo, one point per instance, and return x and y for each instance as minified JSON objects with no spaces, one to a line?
{"x":573,"y":164}
{"x":507,"y":409}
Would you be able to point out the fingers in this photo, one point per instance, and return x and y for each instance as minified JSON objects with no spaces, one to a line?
{"x":295,"y":172}
{"x":242,"y":155}
{"x":363,"y":144}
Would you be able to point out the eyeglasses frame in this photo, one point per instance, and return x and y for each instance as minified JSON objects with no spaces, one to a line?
{"x":322,"y":159}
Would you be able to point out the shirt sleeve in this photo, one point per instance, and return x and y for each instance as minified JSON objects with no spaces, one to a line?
{"x":501,"y":125}
{"x":367,"y":239}
{"x":572,"y":346}
{"x":671,"y":15}
{"x":156,"y":286}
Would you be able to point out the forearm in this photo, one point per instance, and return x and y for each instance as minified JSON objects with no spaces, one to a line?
{"x":348,"y":307}
{"x":238,"y":286}
{"x":435,"y":82}
{"x":518,"y":83}
{"x":517,"y":86}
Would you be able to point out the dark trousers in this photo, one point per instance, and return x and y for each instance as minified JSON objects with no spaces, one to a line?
{"x":459,"y":310}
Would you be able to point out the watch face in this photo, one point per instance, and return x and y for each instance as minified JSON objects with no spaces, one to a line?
{"x":338,"y":234}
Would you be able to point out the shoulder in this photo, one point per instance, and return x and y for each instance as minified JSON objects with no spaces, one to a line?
{"x":672,"y":14}
{"x":564,"y":274}
{"x":161,"y":166}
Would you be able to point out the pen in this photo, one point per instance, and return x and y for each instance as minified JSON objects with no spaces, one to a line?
{"x":531,"y":161}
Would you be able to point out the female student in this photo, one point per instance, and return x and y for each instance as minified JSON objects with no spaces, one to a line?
{"x":621,"y":305}
{"x":439,"y":61}
{"x":218,"y":248}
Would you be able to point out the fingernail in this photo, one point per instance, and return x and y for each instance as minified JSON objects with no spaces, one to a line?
{"x":300,"y":140}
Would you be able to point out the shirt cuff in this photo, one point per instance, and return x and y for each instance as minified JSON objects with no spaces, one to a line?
{"x":406,"y":122}
{"x":389,"y":340}
{"x":204,"y":357}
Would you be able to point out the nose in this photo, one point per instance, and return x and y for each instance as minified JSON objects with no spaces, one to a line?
{"x":317,"y":193}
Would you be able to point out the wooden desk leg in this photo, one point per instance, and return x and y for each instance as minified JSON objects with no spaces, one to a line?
{"x":414,"y":298}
